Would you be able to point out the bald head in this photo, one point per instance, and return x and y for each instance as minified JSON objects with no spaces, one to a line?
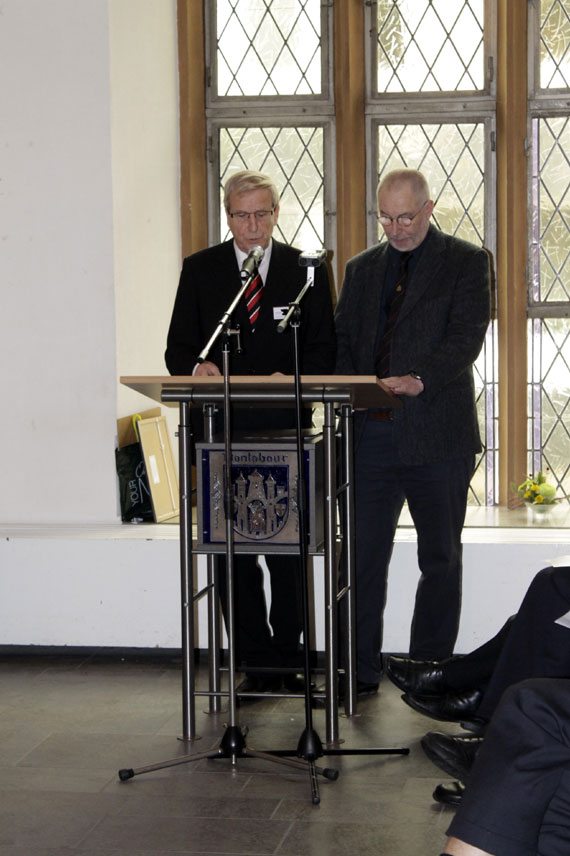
{"x":404,"y":208}
{"x":412,"y":178}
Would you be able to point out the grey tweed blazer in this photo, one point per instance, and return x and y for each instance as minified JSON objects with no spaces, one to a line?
{"x":439,"y":333}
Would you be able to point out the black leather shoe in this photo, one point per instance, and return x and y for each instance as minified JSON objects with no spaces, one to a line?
{"x":449,"y":793}
{"x":452,"y":754}
{"x":451,"y":707}
{"x":416,"y":676}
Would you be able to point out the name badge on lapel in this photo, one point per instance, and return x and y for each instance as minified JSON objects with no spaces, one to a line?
{"x":280,"y":312}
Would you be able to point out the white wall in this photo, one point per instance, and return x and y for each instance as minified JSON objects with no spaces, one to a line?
{"x":89,"y":213}
{"x":146,"y":185}
{"x":120,"y":586}
{"x":57,"y":325}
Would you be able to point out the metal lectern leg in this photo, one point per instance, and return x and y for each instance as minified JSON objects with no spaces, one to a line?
{"x":331,"y":609}
{"x":347,"y":424}
{"x":186,"y":573}
{"x":214,"y":635}
{"x":214,"y":659}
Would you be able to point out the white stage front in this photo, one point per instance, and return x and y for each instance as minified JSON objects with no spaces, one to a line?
{"x":119,"y":585}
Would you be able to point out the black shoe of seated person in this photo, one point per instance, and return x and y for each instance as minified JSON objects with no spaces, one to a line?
{"x":451,"y":707}
{"x":449,"y":793}
{"x":454,"y":754}
{"x":419,"y":677}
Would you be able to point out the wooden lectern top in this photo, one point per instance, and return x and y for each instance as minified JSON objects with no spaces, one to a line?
{"x":360,"y":391}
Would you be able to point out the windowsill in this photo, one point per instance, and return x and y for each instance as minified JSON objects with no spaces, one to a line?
{"x":482,"y":524}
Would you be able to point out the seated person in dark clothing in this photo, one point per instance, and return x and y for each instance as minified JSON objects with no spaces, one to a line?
{"x":533,"y":643}
{"x":517,"y":801}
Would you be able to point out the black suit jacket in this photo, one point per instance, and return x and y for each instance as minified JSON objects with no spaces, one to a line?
{"x":210,"y":280}
{"x":438,"y":334}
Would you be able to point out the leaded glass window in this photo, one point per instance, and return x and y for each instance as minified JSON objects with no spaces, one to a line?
{"x":549,"y":399}
{"x":554,"y":44}
{"x":451,"y":156}
{"x":268,"y":58}
{"x":429,"y":46}
{"x":551,"y":212}
{"x":549,"y":244}
{"x":268,"y":48}
{"x":294,"y":158}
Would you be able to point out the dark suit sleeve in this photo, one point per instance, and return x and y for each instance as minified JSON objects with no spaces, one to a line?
{"x":185,"y":336}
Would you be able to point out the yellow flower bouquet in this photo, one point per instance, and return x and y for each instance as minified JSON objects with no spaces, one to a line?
{"x":536,"y":490}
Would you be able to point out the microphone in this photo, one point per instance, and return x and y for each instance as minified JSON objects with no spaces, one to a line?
{"x":251,"y":262}
{"x":312,"y":258}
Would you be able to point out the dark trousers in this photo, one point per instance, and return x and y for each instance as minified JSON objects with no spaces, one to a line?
{"x":437,"y":499}
{"x":531,"y":644}
{"x":536,"y":646}
{"x":517,"y":801}
{"x":474,"y":670}
{"x":256,"y":645}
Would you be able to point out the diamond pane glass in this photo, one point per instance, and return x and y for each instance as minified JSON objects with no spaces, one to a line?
{"x":551,"y":221}
{"x":452,"y":157}
{"x":549,"y":400}
{"x":484,"y":489}
{"x":555,"y":44}
{"x":430,"y":45}
{"x":294,"y":158}
{"x":268,"y":47}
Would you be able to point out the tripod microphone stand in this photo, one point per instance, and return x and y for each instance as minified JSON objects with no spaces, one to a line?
{"x":310,"y":746}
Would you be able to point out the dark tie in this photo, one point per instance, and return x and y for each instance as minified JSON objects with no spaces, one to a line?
{"x":253,"y":299}
{"x":382,"y":364}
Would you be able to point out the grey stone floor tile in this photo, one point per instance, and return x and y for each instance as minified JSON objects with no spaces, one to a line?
{"x":189,"y":835}
{"x":44,"y":828}
{"x":185,"y":781}
{"x":221,"y":806}
{"x":53,"y":779}
{"x":66,"y":728}
{"x":344,"y":839}
{"x":105,"y":751}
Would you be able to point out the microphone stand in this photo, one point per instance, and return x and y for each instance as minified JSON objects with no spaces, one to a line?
{"x":310,"y":746}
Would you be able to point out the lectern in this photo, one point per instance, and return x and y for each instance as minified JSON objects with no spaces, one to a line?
{"x":337,"y":393}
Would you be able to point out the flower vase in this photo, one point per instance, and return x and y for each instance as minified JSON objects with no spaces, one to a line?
{"x":538,"y":512}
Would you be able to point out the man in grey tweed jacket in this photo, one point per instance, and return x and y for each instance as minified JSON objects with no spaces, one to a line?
{"x":423,"y":452}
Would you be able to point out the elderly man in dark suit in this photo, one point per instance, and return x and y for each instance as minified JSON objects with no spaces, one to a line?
{"x":208,"y":284}
{"x":414,"y":311}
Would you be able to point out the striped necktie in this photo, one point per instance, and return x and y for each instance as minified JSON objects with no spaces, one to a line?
{"x":253,"y":299}
{"x":382,"y":364}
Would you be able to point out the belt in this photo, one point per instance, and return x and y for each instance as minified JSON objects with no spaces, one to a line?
{"x":380,"y":413}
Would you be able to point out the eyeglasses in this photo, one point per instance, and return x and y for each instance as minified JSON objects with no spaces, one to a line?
{"x":242,"y":216}
{"x":402,"y":219}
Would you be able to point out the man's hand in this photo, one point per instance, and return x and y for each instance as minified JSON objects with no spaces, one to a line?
{"x":405,"y":385}
{"x":207,"y":369}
